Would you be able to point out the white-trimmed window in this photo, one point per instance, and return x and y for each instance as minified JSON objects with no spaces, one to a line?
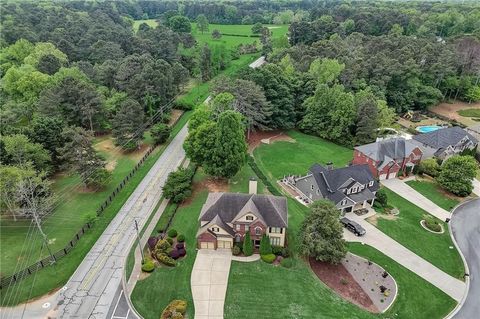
{"x":249,"y":217}
{"x":275,"y":241}
{"x":237,"y":226}
{"x":276,"y":230}
{"x":258,"y":231}
{"x":247,"y":228}
{"x":311,"y":186}
{"x":344,"y":201}
{"x":370,"y":183}
{"x":354,"y":189}
{"x":215,"y":229}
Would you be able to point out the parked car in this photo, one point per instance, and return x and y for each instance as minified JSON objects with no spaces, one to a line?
{"x":353,"y":226}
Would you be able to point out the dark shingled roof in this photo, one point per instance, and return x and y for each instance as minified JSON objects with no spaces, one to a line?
{"x":393,"y":148}
{"x":444,"y":137}
{"x":273,"y":209}
{"x":330,"y":180}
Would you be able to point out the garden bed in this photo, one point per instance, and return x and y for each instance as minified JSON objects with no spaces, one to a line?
{"x":422,"y":222}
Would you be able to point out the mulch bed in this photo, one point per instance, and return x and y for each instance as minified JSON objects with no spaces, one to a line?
{"x":341,"y":281}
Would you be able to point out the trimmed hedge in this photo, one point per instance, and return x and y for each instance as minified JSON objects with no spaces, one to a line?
{"x":175,"y":310}
{"x":181,"y":238}
{"x":236,"y":250}
{"x":148,"y":265}
{"x":166,"y":260}
{"x":269,"y":258}
{"x":287,"y":262}
{"x":172,"y":233}
{"x":272,"y":189}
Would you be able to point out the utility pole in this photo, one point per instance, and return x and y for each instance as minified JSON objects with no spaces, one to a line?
{"x":138,"y":240}
{"x":37,"y":222}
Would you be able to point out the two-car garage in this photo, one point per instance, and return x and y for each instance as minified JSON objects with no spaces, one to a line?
{"x":225,"y":244}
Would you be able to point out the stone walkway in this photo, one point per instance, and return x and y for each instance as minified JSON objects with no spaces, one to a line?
{"x":209,"y":281}
{"x":374,"y":237}
{"x":402,"y":189}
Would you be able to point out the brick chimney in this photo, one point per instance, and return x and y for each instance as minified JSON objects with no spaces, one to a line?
{"x":329,"y":166}
{"x":252,"y":186}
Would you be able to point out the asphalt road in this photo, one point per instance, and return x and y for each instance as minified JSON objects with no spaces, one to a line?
{"x":91,"y":290}
{"x":465,"y":226}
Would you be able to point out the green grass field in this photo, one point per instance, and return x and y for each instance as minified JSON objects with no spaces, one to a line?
{"x":76,"y":207}
{"x":283,"y":158}
{"x":151,"y":23}
{"x":406,"y":229}
{"x":469,"y":112}
{"x":434,"y":193}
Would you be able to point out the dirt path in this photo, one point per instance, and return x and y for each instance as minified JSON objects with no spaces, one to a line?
{"x":258,"y":137}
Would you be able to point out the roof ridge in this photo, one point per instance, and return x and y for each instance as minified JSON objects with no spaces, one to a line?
{"x":277,"y":210}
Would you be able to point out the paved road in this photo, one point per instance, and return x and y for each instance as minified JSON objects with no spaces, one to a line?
{"x":402,"y":189}
{"x":91,"y":290}
{"x":374,"y":237}
{"x":465,"y":226}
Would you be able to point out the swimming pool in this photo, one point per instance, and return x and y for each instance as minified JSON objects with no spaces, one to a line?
{"x":427,"y":128}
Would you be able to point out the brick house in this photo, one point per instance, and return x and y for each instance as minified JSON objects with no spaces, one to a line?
{"x":387,"y":157}
{"x":225,"y":218}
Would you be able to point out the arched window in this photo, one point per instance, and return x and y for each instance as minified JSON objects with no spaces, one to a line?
{"x":238,"y":238}
{"x":258,"y":231}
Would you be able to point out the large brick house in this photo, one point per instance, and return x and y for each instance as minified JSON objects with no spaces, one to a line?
{"x":445,"y":142}
{"x":226,"y":218}
{"x":387,"y":157}
{"x":349,"y":188}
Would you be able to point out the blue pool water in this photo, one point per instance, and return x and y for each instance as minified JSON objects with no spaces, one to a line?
{"x":428,"y":128}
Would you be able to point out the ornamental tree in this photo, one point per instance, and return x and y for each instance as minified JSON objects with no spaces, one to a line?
{"x":247,"y":245}
{"x":265,"y":246}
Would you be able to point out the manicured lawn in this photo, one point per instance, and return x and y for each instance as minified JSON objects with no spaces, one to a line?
{"x":469,"y":112}
{"x":406,"y":229}
{"x":434,"y":193}
{"x":71,"y":213}
{"x":283,"y":158}
{"x":416,"y":297}
{"x":154,"y":293}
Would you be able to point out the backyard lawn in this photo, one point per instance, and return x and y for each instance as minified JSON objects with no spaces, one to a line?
{"x":434,"y":193}
{"x":295,"y":157}
{"x":406,"y":229}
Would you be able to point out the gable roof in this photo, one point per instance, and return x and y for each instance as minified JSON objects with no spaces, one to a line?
{"x":444,"y":137}
{"x":387,"y":150}
{"x":272,"y":209}
{"x":331,"y":181}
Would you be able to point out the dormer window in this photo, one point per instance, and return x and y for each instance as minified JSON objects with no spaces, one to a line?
{"x":354,"y":189}
{"x":371,"y":183}
{"x":311,"y":187}
{"x":249,"y":217}
{"x":215,"y":229}
{"x":349,"y":191}
{"x":343,"y":202}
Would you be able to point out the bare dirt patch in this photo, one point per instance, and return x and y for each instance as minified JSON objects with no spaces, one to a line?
{"x":256,"y":138}
{"x":449,"y":110}
{"x":342,"y":282}
{"x":108,"y":146}
{"x":374,"y":219}
{"x":175,"y":116}
{"x":211,"y":184}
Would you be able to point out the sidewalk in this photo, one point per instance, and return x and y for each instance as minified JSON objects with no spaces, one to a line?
{"x":377,"y":239}
{"x":402,"y":189}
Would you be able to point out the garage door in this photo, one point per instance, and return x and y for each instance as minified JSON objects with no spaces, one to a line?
{"x":382,"y":176}
{"x":207,"y":245}
{"x":224,"y":244}
{"x":392,"y":175}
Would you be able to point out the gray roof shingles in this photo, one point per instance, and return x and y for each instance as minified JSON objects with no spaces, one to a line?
{"x":394,"y":148}
{"x":273,"y":209}
{"x":442,"y":138}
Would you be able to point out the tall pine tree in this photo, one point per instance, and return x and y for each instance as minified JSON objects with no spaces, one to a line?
{"x":127,"y":125}
{"x":367,"y":116}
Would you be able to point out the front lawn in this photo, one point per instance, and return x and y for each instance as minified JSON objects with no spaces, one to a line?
{"x":405,"y":228}
{"x":284,"y":157}
{"x":435,"y":193}
{"x":416,"y":297}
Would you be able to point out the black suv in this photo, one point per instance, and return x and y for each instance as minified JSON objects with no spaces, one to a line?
{"x":353,"y":226}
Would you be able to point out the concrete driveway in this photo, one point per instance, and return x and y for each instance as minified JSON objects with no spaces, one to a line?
{"x":374,"y":237}
{"x":209,"y":280}
{"x":402,"y":189}
{"x":465,"y":227}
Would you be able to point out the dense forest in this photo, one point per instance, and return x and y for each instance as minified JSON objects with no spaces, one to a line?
{"x":74,"y":69}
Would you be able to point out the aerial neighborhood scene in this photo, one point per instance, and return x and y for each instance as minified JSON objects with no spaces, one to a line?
{"x":211,"y":159}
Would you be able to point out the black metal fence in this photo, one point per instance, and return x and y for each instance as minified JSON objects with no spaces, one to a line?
{"x":47,"y":261}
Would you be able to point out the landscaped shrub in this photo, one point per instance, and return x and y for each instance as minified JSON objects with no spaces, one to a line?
{"x":287,"y":262}
{"x":172,"y":233}
{"x":148,"y":265}
{"x":285,"y":252}
{"x":160,"y":133}
{"x":181,"y":238}
{"x":168,"y":251}
{"x":265,"y":246}
{"x":182,"y":252}
{"x":166,"y":260}
{"x":170,"y":240}
{"x":429,"y":167}
{"x":381,"y":198}
{"x":236,"y":250}
{"x":152,"y":241}
{"x":178,"y":186}
{"x":174,"y":254}
{"x":432,"y":224}
{"x":175,"y":310}
{"x":247,"y":245}
{"x":162,"y":245}
{"x":277,"y":250}
{"x":180,"y":245}
{"x":269,"y":258}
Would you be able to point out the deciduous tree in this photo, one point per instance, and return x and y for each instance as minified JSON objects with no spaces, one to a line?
{"x":128,"y":126}
{"x":202,"y":23}
{"x":457,"y":174}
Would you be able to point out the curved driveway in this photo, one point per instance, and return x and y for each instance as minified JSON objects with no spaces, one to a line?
{"x":465,"y":226}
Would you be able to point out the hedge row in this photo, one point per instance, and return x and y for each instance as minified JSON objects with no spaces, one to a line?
{"x":272,"y":189}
